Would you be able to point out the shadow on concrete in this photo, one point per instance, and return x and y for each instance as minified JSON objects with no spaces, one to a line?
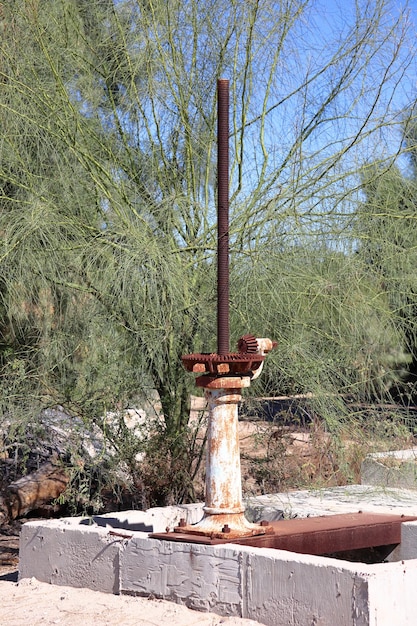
{"x":116,"y":522}
{"x":10,"y":577}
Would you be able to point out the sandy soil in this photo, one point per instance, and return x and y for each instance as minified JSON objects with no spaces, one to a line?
{"x":31,"y":603}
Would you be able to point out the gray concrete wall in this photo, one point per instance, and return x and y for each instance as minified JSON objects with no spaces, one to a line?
{"x":397,"y":469}
{"x":392,"y":594}
{"x":67,"y":554}
{"x":273,"y":587}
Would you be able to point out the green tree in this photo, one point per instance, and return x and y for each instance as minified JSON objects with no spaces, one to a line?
{"x":386,"y":232}
{"x":108,"y":174}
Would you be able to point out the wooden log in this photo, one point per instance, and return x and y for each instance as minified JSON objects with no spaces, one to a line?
{"x":36,"y":489}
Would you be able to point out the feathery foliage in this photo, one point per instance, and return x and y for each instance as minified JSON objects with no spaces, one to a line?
{"x":107,"y":205}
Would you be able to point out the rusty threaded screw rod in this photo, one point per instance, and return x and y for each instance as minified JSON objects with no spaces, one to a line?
{"x":224,"y":375}
{"x":223,"y":216}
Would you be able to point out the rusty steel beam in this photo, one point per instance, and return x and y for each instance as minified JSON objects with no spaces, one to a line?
{"x":334,"y":533}
{"x":314,"y":535}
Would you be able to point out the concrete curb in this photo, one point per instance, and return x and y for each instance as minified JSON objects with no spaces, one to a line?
{"x":274,"y":587}
{"x":396,"y":469}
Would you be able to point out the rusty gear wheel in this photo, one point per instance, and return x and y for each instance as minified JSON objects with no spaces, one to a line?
{"x":247,"y":345}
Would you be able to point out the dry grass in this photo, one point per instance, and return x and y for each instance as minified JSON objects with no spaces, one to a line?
{"x":281,"y":453}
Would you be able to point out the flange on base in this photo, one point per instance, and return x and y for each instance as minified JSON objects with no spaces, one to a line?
{"x":223,"y":526}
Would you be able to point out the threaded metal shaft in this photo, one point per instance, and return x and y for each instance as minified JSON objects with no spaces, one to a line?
{"x":222,"y":216}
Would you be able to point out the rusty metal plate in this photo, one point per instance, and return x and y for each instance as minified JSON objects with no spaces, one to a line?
{"x":316,"y":535}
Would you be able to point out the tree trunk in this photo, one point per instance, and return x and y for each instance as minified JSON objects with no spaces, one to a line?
{"x":36,"y":489}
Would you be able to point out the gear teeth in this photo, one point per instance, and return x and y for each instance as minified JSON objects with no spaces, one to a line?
{"x":247,"y":345}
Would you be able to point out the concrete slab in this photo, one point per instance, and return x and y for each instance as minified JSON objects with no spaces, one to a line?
{"x":345,"y":499}
{"x":397,"y":469}
{"x":274,"y":587}
{"x":198,"y":576}
{"x":64,"y":553}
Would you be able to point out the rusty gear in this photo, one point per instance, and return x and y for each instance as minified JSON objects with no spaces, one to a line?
{"x":232,"y":363}
{"x":247,"y":344}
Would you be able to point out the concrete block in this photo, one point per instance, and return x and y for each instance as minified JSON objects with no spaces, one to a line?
{"x":407,"y":549}
{"x":270,"y":586}
{"x":70,"y":554}
{"x":392,"y":593}
{"x":300,"y":589}
{"x":273,"y":587}
{"x":396,"y":469}
{"x":206,"y":578}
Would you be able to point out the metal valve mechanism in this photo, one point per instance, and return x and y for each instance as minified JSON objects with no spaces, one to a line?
{"x":223,"y":375}
{"x":223,"y":378}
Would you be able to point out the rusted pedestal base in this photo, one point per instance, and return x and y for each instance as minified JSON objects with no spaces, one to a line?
{"x":224,"y":509}
{"x":223,"y":526}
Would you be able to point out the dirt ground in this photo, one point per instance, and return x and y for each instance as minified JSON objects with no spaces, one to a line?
{"x":9,"y":551}
{"x":39,"y":604}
